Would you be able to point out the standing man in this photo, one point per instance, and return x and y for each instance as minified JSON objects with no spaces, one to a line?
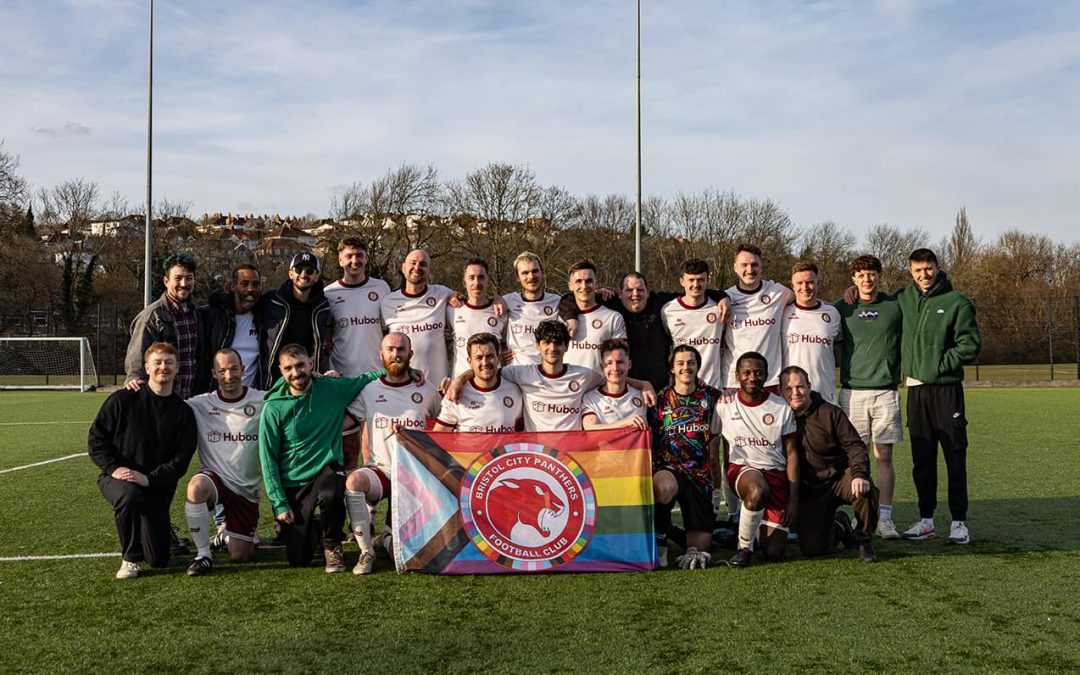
{"x":834,"y":469}
{"x":172,"y":318}
{"x":488,"y":403}
{"x":228,"y":423}
{"x":392,"y":402}
{"x":475,"y":315}
{"x":595,"y":323}
{"x":300,"y":452}
{"x":143,"y":442}
{"x":811,"y":328}
{"x":761,"y":460}
{"x":757,"y":312}
{"x":418,"y":310}
{"x":231,"y":319}
{"x":941,"y":336}
{"x":615,"y":404}
{"x":527,"y":308}
{"x":694,"y":320}
{"x":355,"y":304}
{"x":870,"y":375}
{"x":296,"y":313}
{"x":685,"y":443}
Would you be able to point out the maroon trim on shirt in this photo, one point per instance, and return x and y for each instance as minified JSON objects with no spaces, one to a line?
{"x":590,"y":310}
{"x":751,"y":404}
{"x":498,"y":381}
{"x":392,"y":384}
{"x":619,"y":395}
{"x":417,"y":295}
{"x":818,"y":306}
{"x":754,"y":291}
{"x":445,"y":423}
{"x":348,"y":285}
{"x":686,"y":306}
{"x":490,"y":303}
{"x":232,"y":400}
{"x":565,"y":367}
{"x":543,"y":297}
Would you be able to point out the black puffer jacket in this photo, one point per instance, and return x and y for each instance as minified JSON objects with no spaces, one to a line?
{"x":218,"y":318}
{"x":276,"y":308}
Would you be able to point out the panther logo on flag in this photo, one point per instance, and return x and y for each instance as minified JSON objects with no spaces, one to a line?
{"x":528,"y":506}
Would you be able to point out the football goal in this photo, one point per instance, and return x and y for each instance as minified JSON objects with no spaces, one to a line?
{"x":47,"y":363}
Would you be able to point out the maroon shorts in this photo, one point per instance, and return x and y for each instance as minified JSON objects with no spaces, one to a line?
{"x":779,"y":490}
{"x":241,"y":514}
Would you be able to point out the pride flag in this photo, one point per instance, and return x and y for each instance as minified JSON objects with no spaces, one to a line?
{"x":470,"y":503}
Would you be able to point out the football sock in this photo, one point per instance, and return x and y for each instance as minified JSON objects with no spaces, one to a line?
{"x":198,"y":522}
{"x":749,"y":522}
{"x":885,"y":512}
{"x":360,"y":517}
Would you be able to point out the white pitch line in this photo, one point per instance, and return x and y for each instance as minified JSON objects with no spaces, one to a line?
{"x":20,"y":424}
{"x":48,"y":461}
{"x":73,"y":556}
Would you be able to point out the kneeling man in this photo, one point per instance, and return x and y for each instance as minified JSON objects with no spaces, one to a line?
{"x":834,"y":466}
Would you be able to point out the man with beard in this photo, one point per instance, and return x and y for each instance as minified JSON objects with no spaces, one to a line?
{"x":231,"y":319}
{"x":488,"y":403}
{"x":761,"y":460}
{"x":392,"y":402}
{"x":300,"y":452}
{"x":173,"y":319}
{"x":143,"y":442}
{"x":418,"y":310}
{"x":296,"y":313}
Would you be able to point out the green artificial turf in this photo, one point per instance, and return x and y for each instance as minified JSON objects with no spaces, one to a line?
{"x":1007,"y":602}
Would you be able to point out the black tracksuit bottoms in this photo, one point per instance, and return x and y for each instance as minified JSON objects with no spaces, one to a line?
{"x":326,"y":492}
{"x":936,"y":415}
{"x":142,"y":518}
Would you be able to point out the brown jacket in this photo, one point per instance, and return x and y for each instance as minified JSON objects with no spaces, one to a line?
{"x":828,"y":444}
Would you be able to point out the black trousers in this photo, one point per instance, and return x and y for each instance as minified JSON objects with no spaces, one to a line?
{"x":142,"y":518}
{"x":936,"y":415}
{"x":817,"y":506}
{"x":304,"y":535}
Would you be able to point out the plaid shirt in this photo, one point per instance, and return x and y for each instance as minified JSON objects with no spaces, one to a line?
{"x":186,"y":337}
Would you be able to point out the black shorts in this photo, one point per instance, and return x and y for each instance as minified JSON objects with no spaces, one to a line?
{"x":695,"y":504}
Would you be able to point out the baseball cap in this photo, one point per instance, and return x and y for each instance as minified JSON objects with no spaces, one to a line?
{"x":305,"y":260}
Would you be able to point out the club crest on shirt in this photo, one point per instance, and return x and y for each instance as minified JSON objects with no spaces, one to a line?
{"x":596,"y":323}
{"x":768,"y":418}
{"x":491,"y":321}
{"x":575,"y":386}
{"x":548,"y":311}
{"x":637,"y":401}
{"x":249,"y":410}
{"x":826,"y":318}
{"x":430,"y":302}
{"x":417,"y":397}
{"x":766,"y":298}
{"x":508,"y":401}
{"x":373,"y":296}
{"x":711,"y":317}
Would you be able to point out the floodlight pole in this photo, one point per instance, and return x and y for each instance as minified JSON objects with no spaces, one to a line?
{"x":148,"y":285}
{"x":637,"y":203}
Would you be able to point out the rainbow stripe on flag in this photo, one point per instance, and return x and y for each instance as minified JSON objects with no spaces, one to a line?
{"x":468,"y":503}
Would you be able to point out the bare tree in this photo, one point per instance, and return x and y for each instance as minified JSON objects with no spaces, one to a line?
{"x":831,"y":247}
{"x":960,"y":249}
{"x":893,"y":246}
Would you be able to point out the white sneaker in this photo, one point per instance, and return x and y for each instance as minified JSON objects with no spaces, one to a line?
{"x":365,"y":564}
{"x":920,"y":531}
{"x":886,"y":529}
{"x":958,"y":533}
{"x":128,"y":570}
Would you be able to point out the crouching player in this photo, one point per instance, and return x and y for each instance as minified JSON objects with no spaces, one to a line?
{"x":685,"y":444}
{"x":761,"y":460}
{"x":392,"y":402}
{"x":228,"y":423}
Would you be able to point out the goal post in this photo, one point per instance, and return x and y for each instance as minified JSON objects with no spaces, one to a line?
{"x":47,"y":363}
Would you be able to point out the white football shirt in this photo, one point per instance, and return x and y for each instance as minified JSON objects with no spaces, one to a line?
{"x":246,"y":343}
{"x":755,"y":326}
{"x":594,"y":326}
{"x":357,"y":312}
{"x":524,"y":316}
{"x":422,"y":318}
{"x":468,"y":320}
{"x":809,"y":336}
{"x":755,"y":432}
{"x":381,"y":404}
{"x":611,"y":408}
{"x":494,"y":410}
{"x":700,"y":328}
{"x":552,"y":402}
{"x":229,"y":439}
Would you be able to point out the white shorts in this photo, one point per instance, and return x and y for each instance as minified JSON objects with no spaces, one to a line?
{"x":875,"y":414}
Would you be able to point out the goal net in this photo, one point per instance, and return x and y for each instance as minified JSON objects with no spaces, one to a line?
{"x":47,"y":363}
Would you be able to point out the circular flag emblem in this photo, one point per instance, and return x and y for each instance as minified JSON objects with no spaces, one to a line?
{"x":528,"y":507}
{"x":417,"y":397}
{"x":373,"y":296}
{"x":430,"y":302}
{"x":491,"y":321}
{"x":768,"y":418}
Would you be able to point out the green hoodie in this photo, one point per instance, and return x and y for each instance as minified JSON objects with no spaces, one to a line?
{"x":941,"y":334}
{"x":299,"y":435}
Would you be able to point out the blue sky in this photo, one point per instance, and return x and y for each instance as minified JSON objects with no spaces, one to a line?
{"x":859,"y":112}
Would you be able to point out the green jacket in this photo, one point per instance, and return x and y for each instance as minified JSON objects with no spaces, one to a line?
{"x":299,"y":435}
{"x":870,"y":348}
{"x":941,"y":334}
